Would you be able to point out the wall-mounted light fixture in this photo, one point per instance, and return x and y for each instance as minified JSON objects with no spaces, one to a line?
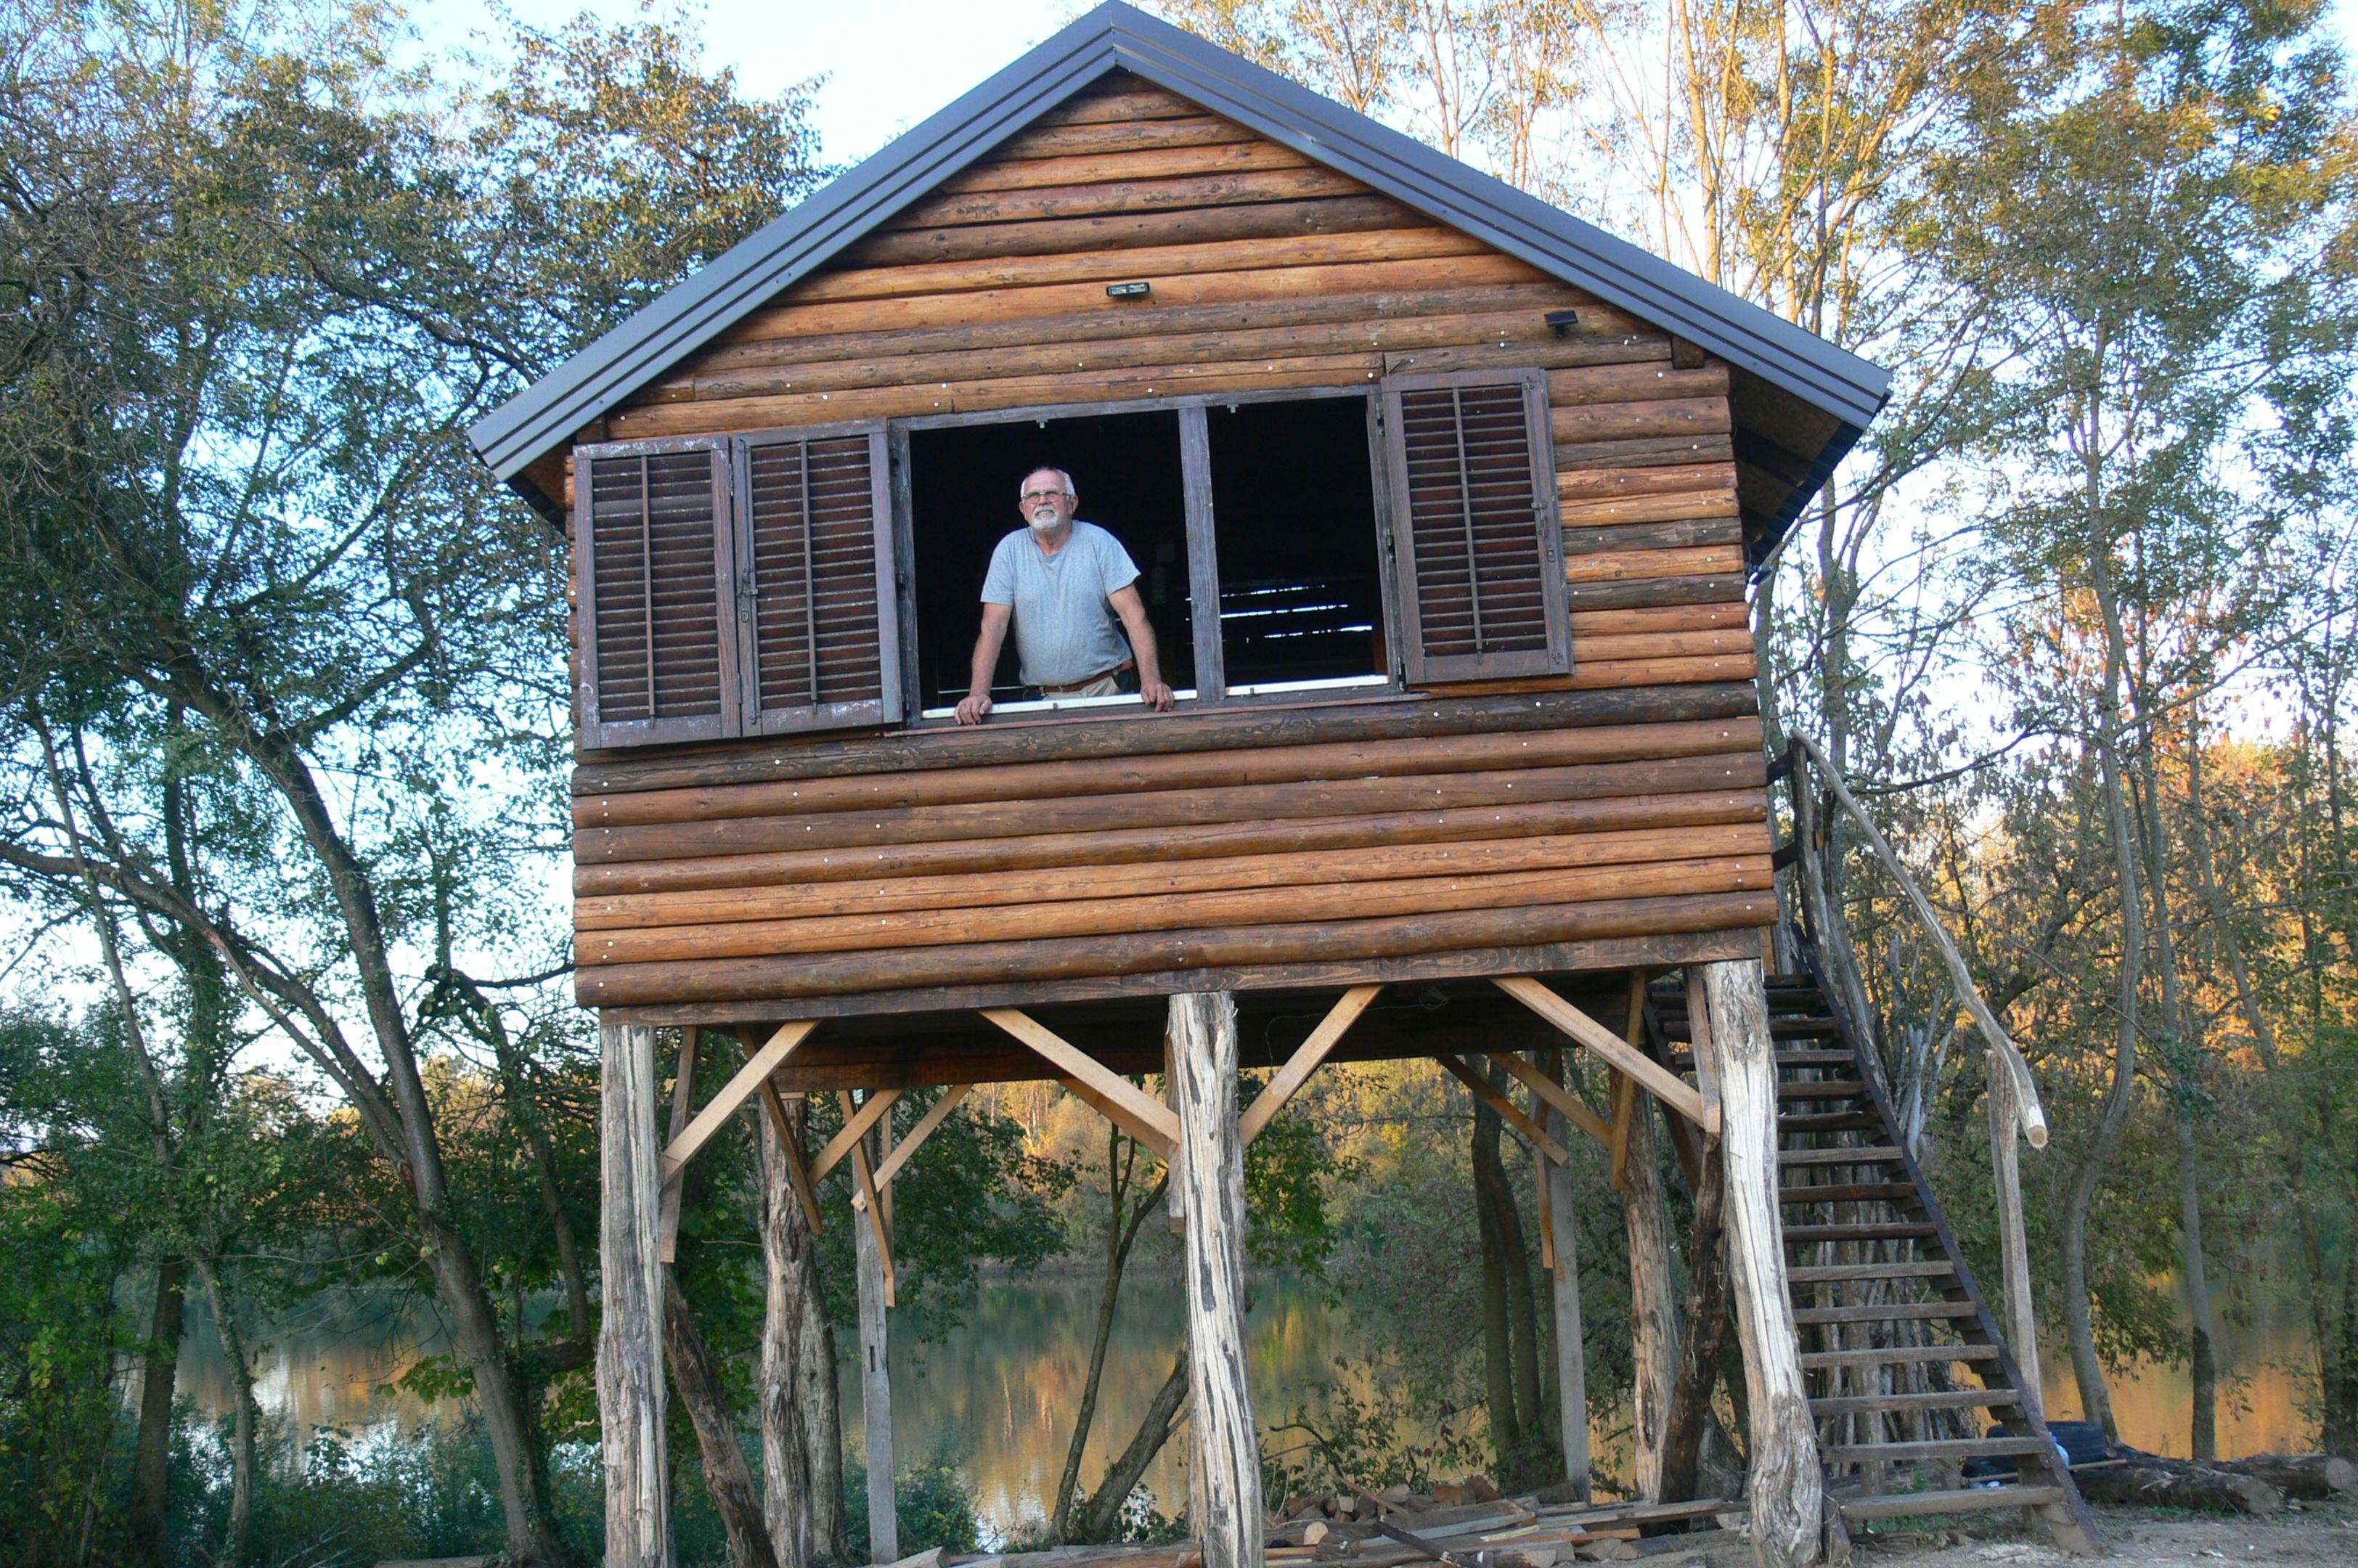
{"x":1128,"y":290}
{"x":1561,"y":322}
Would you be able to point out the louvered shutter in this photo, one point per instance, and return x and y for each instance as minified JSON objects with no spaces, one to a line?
{"x":651,"y":533}
{"x":819,"y":622}
{"x":1477,"y":539}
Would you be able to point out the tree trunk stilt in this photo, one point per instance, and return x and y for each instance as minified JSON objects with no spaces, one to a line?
{"x":1654,"y":1300}
{"x":1212,"y":1169}
{"x":1564,"y":1301}
{"x":629,"y":1336}
{"x":876,"y":1391}
{"x":1787,"y":1490}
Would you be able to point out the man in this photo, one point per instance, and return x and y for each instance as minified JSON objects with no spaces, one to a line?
{"x":1064,"y":584}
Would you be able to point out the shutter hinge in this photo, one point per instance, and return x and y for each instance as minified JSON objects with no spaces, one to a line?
{"x":748,"y":590}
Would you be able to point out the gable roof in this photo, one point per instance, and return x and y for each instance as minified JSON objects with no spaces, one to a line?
{"x":1119,"y":36}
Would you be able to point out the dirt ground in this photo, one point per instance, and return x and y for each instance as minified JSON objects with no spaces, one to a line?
{"x":2297,"y":1537}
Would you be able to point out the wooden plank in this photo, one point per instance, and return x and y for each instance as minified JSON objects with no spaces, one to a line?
{"x":935,"y":1114}
{"x":1509,"y":1112}
{"x":1706,"y":1056}
{"x":683,"y":1104}
{"x":790,"y":1149}
{"x":1241,"y":908}
{"x":855,"y":1126}
{"x":1142,"y":1107}
{"x":1625,"y":1104}
{"x":1671,"y":1091}
{"x":879,"y":1101}
{"x":1305,"y":1059}
{"x":1562,"y":1100}
{"x":733,"y":1094}
{"x":1599,"y":483}
{"x":1121,"y":1114}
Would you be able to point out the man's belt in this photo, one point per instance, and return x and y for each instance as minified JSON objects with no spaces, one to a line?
{"x":1087,"y":680}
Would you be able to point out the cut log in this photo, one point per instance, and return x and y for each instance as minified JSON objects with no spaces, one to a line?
{"x":630,"y":1333}
{"x":2304,"y":1477}
{"x":2146,"y":1480}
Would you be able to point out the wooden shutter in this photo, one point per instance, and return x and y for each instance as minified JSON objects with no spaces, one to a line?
{"x":1476,"y":536}
{"x":651,"y":531}
{"x":818,"y":624}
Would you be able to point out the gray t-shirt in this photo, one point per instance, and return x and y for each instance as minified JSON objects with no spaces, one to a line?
{"x":1065,"y":630}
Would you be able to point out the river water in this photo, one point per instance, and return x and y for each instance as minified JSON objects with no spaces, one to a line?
{"x":996,"y":1397}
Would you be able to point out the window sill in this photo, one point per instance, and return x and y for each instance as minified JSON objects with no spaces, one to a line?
{"x":1272,"y":694}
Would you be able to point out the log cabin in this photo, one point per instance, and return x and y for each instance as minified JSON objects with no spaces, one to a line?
{"x":1444,"y":503}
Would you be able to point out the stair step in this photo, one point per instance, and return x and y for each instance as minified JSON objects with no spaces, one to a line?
{"x":1949,"y":1448}
{"x":1685,"y":1059}
{"x":1827,"y":1273}
{"x":1931,"y":1400}
{"x":1897,"y":1312}
{"x":1872,"y":1192}
{"x":1889,"y":1230}
{"x":1824,"y":1360}
{"x":1876,"y":1154}
{"x":1971,"y":1499}
{"x":1824,"y":1088}
{"x":1802,"y":1122}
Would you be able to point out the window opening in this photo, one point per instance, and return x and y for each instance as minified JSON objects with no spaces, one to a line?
{"x":963,"y":483}
{"x":1296,"y":531}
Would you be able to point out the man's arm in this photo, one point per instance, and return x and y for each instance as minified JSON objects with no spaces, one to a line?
{"x":995,"y":618}
{"x":1133,"y":611}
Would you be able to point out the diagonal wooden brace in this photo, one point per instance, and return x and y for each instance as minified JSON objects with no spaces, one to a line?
{"x":935,"y":1117}
{"x":864,"y":1185}
{"x":734,"y":1094}
{"x":1119,"y":1114}
{"x":1107,"y":1086}
{"x":791,"y":1150}
{"x":1667,"y":1087}
{"x":1512,"y":1114}
{"x":856,"y":1123}
{"x":1305,"y":1060}
{"x":1556,"y":1095}
{"x":683,"y":1103}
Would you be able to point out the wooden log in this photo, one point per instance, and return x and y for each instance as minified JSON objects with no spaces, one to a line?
{"x":1575,"y":389}
{"x":1663,"y":672}
{"x":1054,"y":141}
{"x":1092,"y":917}
{"x":1732,"y":643}
{"x":1672,"y":507}
{"x":1719,"y":589}
{"x":1785,"y":1487}
{"x":1626,"y":421}
{"x":1227,"y":191}
{"x":1644,"y":452}
{"x":1593,"y":624}
{"x":1227,"y":769}
{"x":1706,"y":1331}
{"x":2143,"y":1480}
{"x":1629,"y":565}
{"x":727,"y":1478}
{"x":1094,"y":168}
{"x":1196,"y":226}
{"x":1563,"y":1304}
{"x":1064,"y":853}
{"x":897,"y":298}
{"x":779,"y":979}
{"x":1155,"y":878}
{"x":1653,"y":1300}
{"x":1120,"y":97}
{"x":629,"y":1338}
{"x":1576,"y":349}
{"x":1182,"y":808}
{"x":2304,"y":1477}
{"x":1211,"y":1165}
{"x":1244,"y":727}
{"x":1599,"y":483}
{"x":1665,"y":533}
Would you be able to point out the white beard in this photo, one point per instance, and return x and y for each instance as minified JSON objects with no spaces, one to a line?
{"x":1044,"y":521}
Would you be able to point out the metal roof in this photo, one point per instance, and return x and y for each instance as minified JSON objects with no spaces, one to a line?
{"x":1118,"y":36}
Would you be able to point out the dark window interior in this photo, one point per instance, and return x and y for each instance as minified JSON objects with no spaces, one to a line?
{"x":1294,"y":525}
{"x":963,"y":485}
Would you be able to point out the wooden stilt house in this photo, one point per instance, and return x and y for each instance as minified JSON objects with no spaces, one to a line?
{"x":1443,"y":503}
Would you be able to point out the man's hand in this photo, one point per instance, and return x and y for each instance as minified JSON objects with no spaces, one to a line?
{"x":1156,"y":694}
{"x":975,"y":706}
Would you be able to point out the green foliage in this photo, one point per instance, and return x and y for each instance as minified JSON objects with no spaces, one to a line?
{"x":932,"y":1505}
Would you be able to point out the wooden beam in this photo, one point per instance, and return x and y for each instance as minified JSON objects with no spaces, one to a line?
{"x":683,"y":1102}
{"x":791,"y":1150}
{"x":1305,"y":1060}
{"x":1705,"y":1059}
{"x":864,"y":1184}
{"x":1672,"y":1091}
{"x":733,"y":1094}
{"x":631,"y":1387}
{"x":1118,"y":1112}
{"x":938,"y":1113}
{"x":1624,"y":1106}
{"x":856,"y":1123}
{"x":1511,"y":1113}
{"x":1559,"y":1098}
{"x":1078,"y":1063}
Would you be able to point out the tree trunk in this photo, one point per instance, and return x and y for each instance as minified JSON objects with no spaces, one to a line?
{"x":1564,"y":1302}
{"x":2141,"y":1480}
{"x":1101,"y":1515}
{"x":876,"y":1391}
{"x":2307,"y":1477}
{"x":1706,"y":1332}
{"x":787,"y":1490}
{"x":151,"y":1472}
{"x":1121,"y":1234}
{"x":243,"y":1420}
{"x":630,"y":1349}
{"x":1212,"y":1166}
{"x":1498,"y":1354}
{"x":1654,"y":1300}
{"x":726,"y":1476}
{"x":1787,"y":1486}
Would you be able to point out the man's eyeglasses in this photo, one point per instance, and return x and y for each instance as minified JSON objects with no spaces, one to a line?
{"x":1032,"y":495}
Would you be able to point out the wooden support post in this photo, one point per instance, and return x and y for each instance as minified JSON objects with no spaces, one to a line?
{"x":2013,"y":1247}
{"x":1706,"y":1067}
{"x":1654,"y":1300}
{"x":629,"y":1332}
{"x":865,"y":1196}
{"x":1211,"y":1164}
{"x":1616,"y":1143}
{"x":1174,"y":1190}
{"x":875,"y":1367}
{"x":683,"y":1104}
{"x":1305,"y":1060}
{"x":1787,"y":1488}
{"x":1564,"y":1301}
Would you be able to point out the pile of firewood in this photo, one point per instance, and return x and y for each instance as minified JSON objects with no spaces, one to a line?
{"x":1469,"y":1524}
{"x":2259,"y":1484}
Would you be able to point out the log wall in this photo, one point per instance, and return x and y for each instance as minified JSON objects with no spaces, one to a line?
{"x":1471,"y":832}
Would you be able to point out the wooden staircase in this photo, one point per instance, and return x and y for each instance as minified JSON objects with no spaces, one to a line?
{"x":1884,"y":1303}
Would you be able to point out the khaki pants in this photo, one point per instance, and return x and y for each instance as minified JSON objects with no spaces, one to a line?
{"x":1107,"y":685}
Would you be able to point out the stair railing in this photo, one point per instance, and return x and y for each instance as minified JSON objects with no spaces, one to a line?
{"x":2013,"y":1096}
